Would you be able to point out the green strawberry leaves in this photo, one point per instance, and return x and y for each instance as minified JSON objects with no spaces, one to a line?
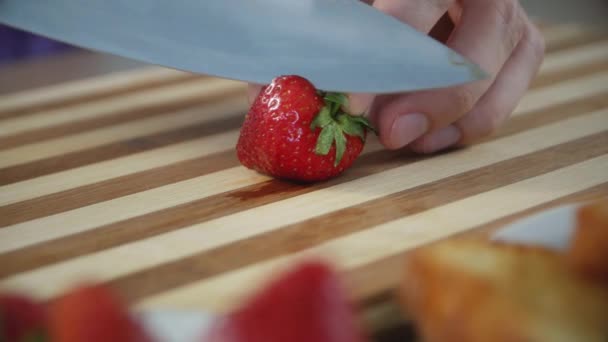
{"x":322,"y":119}
{"x":340,"y":146}
{"x":326,"y":139}
{"x":351,"y":127}
{"x":335,"y":123}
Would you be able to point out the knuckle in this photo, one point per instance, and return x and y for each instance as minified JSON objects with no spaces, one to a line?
{"x":463,"y":100}
{"x":510,"y":13}
{"x":442,"y":3}
{"x":391,"y":8}
{"x":536,"y":41}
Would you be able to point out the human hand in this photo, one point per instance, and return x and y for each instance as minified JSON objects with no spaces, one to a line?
{"x":495,"y":34}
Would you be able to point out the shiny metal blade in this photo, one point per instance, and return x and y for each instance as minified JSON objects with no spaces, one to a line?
{"x":340,"y":45}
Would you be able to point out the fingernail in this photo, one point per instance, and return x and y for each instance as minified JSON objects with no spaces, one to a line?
{"x":407,"y":128}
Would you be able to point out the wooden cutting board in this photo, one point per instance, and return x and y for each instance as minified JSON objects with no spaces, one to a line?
{"x":131,"y":178}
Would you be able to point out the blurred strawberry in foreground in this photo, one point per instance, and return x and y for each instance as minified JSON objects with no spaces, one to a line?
{"x":305,"y":304}
{"x":93,"y":314}
{"x":293,"y":131}
{"x":21,"y":319}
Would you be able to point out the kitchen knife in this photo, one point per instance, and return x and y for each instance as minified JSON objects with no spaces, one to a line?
{"x":340,"y":45}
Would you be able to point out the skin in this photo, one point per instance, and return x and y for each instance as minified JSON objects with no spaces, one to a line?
{"x":495,"y":34}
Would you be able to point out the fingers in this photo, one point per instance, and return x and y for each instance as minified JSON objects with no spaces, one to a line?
{"x":497,"y":103}
{"x":487,"y":34}
{"x":437,"y":140}
{"x":502,"y":98}
{"x":489,"y":31}
{"x":420,"y":14}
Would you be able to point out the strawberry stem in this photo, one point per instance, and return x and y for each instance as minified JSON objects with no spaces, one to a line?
{"x":335,"y":123}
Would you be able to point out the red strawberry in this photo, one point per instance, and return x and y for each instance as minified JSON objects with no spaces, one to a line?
{"x":21,"y":319}
{"x":93,"y":314}
{"x":306,"y":304}
{"x":293,"y":131}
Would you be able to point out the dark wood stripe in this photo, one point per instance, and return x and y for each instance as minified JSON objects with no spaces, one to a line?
{"x":101,"y":94}
{"x":307,"y":234}
{"x":114,"y":188}
{"x":93,"y":193}
{"x":386,"y":274}
{"x":118,"y":117}
{"x":552,"y":114}
{"x":101,"y":153}
{"x":180,"y":216}
{"x":587,"y":38}
{"x":548,"y":79}
{"x":300,"y":236}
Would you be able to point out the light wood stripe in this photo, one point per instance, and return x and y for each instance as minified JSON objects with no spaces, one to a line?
{"x":149,"y":179}
{"x":577,"y":71}
{"x":163,"y":96}
{"x":163,"y":221}
{"x":185,"y":192}
{"x":33,"y":188}
{"x":96,"y":215}
{"x":559,"y":37}
{"x":386,"y":279}
{"x":563,"y":92}
{"x":78,"y":196}
{"x":217,"y":232}
{"x":306,"y":234}
{"x":184,"y":213}
{"x":81,"y":190}
{"x":355,"y":250}
{"x":94,"y":88}
{"x":83,"y":126}
{"x":111,"y":151}
{"x":105,"y":190}
{"x":550,"y":96}
{"x":64,"y":145}
{"x":580,"y":55}
{"x":551,"y":114}
{"x":200,"y":235}
{"x":86,"y":195}
{"x":572,"y":63}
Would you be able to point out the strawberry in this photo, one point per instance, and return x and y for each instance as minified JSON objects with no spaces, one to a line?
{"x":305,"y":304}
{"x":93,"y":313}
{"x":21,"y":319}
{"x":293,"y":131}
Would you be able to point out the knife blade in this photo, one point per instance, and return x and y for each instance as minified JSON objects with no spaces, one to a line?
{"x":340,"y":45}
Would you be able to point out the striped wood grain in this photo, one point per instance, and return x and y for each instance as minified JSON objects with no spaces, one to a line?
{"x":220,"y":231}
{"x":131,"y":179}
{"x":88,"y":89}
